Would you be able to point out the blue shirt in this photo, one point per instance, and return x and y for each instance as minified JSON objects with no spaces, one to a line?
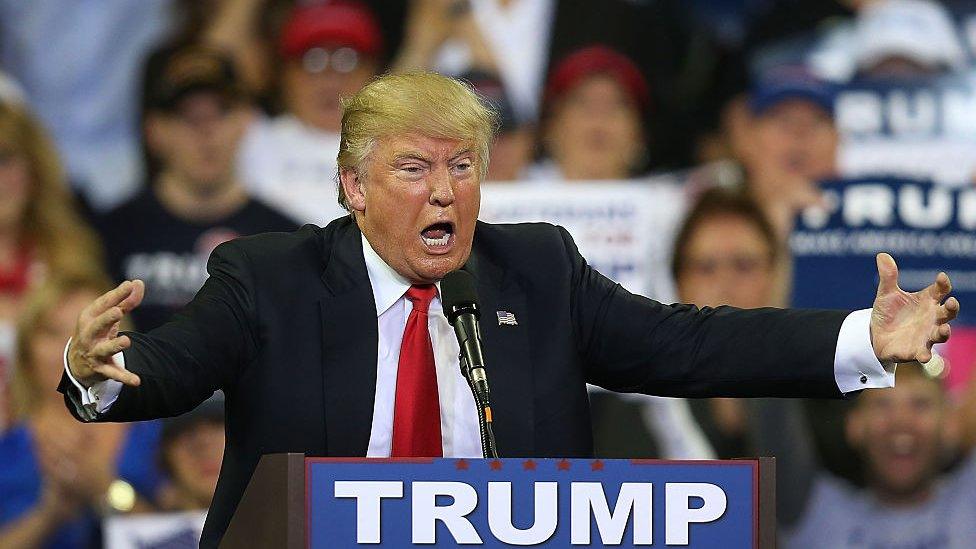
{"x":21,"y":480}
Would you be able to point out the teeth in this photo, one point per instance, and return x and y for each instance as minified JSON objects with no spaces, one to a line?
{"x":442,"y":241}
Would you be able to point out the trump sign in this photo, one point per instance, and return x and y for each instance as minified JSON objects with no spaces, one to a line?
{"x":527,"y":502}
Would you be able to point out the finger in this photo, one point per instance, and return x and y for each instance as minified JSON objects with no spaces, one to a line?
{"x":940,"y":288}
{"x":102,"y":323}
{"x":110,"y":298}
{"x":950,"y":309}
{"x":135,"y":297}
{"x":940,"y":334}
{"x":887,"y":274}
{"x":118,"y":374}
{"x":924,"y":356}
{"x":105,"y":349}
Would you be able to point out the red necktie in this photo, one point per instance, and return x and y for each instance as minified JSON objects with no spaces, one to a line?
{"x":416,"y":414}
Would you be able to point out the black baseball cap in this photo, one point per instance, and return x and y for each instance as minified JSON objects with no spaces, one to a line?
{"x":191,"y":69}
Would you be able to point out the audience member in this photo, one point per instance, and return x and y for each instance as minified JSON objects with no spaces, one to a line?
{"x":726,"y":253}
{"x":58,"y":476}
{"x":506,"y":37}
{"x":165,"y":234}
{"x":79,"y":65}
{"x":328,"y":51}
{"x":902,"y":436}
{"x":36,"y":213}
{"x":191,"y":451}
{"x":591,"y":126}
{"x":905,"y":39}
{"x":790,"y":144}
{"x":514,"y":143}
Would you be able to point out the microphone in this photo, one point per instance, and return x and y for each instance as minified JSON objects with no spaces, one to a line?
{"x":460,"y":299}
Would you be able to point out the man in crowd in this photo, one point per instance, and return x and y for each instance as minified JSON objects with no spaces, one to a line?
{"x":165,"y":234}
{"x":790,"y":143}
{"x":301,"y":330}
{"x":901,"y":434}
{"x":328,"y":52}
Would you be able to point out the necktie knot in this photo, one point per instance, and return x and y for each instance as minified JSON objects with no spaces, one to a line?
{"x":421,"y":295}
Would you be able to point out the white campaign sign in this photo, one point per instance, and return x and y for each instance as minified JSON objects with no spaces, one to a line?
{"x":156,"y":530}
{"x":624,"y":230}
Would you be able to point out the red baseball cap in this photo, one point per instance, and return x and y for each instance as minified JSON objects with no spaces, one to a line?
{"x":597,"y":60}
{"x":339,"y":22}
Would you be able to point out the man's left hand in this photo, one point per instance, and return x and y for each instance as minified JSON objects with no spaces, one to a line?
{"x":904,"y":325}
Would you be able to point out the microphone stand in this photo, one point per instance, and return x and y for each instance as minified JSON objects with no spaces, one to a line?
{"x":478,"y":383}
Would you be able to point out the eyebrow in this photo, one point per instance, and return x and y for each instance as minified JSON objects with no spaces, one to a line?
{"x":411,"y":155}
{"x":461,"y":153}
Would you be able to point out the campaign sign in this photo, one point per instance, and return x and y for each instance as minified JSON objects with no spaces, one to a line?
{"x":623,"y":229}
{"x":445,"y":502}
{"x":924,"y":128}
{"x":927,"y":228}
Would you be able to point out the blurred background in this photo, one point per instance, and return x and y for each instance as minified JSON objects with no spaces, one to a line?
{"x":718,"y":152}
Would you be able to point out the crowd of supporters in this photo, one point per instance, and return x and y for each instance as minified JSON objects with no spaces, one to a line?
{"x":136,"y":136}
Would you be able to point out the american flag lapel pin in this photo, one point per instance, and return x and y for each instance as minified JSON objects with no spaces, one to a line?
{"x":506,"y":318}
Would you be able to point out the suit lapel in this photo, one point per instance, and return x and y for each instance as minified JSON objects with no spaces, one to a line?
{"x":506,"y":349}
{"x":349,"y":342}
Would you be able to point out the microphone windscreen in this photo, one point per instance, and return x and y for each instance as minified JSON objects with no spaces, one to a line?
{"x":458,"y":294}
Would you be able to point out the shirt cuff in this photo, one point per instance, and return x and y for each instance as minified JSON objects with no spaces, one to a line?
{"x":100,"y":396}
{"x":856,"y":366}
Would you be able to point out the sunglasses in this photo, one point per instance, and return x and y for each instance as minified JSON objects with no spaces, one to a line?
{"x":341,"y":60}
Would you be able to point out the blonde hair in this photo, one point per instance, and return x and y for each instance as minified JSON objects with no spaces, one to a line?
{"x":51,"y":222}
{"x":424,"y":102}
{"x":39,"y":303}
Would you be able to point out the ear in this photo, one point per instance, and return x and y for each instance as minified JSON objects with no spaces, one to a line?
{"x":352,"y":185}
{"x":854,"y":428}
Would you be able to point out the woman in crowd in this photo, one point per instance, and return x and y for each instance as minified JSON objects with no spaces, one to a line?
{"x":191,"y":450}
{"x":59,"y":475}
{"x":591,"y":125}
{"x":40,"y":230}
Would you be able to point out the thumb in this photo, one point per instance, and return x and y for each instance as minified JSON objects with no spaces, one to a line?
{"x":887,"y":274}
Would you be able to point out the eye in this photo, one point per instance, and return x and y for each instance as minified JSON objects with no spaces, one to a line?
{"x":462,"y":167}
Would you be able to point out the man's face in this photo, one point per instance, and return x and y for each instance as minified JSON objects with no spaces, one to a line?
{"x":595,"y":131}
{"x":199,"y":140}
{"x":899,"y":432}
{"x":795,"y":138}
{"x":314,"y":83}
{"x":417,"y":203}
{"x":728,"y":263}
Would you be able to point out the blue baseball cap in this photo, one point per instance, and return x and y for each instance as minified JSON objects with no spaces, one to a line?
{"x":790,"y":83}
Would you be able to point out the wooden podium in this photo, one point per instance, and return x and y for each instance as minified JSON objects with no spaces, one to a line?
{"x":296,"y":502}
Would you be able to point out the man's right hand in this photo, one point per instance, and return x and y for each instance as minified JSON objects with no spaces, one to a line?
{"x":97,"y":337}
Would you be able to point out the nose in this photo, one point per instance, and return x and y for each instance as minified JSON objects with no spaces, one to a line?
{"x":441,"y":188}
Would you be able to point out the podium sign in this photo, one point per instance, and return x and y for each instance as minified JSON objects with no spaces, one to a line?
{"x":532,"y":502}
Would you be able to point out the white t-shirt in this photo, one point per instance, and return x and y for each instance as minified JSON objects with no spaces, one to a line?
{"x":518,"y":36}
{"x":292,"y":166}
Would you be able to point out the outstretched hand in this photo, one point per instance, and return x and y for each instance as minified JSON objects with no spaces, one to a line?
{"x":97,"y":338}
{"x":904,"y":325}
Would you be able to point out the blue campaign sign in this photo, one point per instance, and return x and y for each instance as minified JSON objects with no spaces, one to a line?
{"x":927,"y":228}
{"x":532,"y":502}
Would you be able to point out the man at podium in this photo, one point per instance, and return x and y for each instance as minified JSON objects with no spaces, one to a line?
{"x":333,"y":341}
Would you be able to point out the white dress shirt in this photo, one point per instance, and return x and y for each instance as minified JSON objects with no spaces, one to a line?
{"x":856,"y":366}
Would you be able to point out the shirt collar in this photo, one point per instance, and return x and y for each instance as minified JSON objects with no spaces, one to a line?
{"x":388,"y":285}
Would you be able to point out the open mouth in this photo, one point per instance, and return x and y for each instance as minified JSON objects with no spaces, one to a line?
{"x":438,"y":236}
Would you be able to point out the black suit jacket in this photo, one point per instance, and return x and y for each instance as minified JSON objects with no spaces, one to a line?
{"x":286,"y":326}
